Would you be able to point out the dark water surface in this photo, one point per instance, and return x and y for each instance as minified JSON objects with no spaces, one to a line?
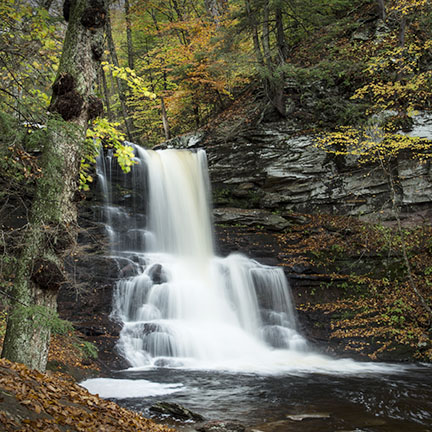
{"x":399,"y":402}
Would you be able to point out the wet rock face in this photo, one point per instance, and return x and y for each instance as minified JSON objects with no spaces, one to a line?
{"x":86,"y":298}
{"x":157,"y":274}
{"x":250,"y":217}
{"x":268,"y":167}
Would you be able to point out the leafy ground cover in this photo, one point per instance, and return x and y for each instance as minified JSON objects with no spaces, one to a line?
{"x":53,"y":402}
{"x":376,"y":309}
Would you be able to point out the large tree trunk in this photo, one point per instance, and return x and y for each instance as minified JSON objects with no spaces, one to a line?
{"x":50,"y":232}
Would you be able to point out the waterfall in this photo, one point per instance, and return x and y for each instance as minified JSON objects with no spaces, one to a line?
{"x":184,"y":306}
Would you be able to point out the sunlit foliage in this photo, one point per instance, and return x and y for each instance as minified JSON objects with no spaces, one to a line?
{"x":374,"y":144}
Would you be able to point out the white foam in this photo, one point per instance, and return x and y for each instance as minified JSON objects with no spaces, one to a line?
{"x":277,"y":362}
{"x":126,"y":388}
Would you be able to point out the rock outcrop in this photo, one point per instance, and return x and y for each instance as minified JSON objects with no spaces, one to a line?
{"x":270,"y":167}
{"x":277,"y":166}
{"x":250,"y":217}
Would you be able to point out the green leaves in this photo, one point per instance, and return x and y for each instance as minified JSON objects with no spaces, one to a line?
{"x":125,"y":157}
{"x":29,"y":55}
{"x":134,"y":82}
{"x":104,"y":133}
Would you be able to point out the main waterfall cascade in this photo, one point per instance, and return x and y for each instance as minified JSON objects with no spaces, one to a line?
{"x":184,"y":306}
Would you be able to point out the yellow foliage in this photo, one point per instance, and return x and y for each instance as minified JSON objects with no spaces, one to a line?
{"x":104,"y":133}
{"x":374,"y":145}
{"x":134,"y":82}
{"x":407,"y":7}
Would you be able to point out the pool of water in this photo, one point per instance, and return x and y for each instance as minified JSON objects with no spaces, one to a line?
{"x":392,"y":402}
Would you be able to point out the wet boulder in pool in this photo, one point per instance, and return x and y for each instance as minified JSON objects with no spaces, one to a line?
{"x":221,"y":426}
{"x":176,"y":411}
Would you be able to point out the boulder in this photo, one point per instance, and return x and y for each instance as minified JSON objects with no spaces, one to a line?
{"x":157,"y":274}
{"x":176,"y":411}
{"x":222,"y":426}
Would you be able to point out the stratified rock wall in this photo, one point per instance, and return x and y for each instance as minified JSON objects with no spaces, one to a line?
{"x":269,"y":166}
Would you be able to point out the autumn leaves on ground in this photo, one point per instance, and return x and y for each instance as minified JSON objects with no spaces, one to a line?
{"x":32,"y":401}
{"x":53,"y":402}
{"x":377,"y":312}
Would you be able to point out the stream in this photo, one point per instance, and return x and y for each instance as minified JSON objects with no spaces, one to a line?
{"x":386,"y":402}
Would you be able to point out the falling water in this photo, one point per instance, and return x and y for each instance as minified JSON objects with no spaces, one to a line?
{"x":183,"y":306}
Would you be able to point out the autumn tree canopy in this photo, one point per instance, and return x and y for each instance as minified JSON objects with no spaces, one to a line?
{"x":171,"y":65}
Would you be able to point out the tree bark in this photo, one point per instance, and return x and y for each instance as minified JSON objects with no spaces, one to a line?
{"x":273,"y":79}
{"x":165,"y":122}
{"x":120,"y":86}
{"x":106,"y":95}
{"x":279,"y":84}
{"x":214,"y":9}
{"x":265,"y":39}
{"x":381,"y":10}
{"x":184,"y":39}
{"x":280,"y":36}
{"x":50,"y":232}
{"x":130,"y":51}
{"x":254,"y":27}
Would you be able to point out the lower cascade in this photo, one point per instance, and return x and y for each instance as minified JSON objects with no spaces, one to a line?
{"x":182,"y":306}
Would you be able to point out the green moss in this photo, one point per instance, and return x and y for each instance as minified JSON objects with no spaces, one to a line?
{"x":87,"y":349}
